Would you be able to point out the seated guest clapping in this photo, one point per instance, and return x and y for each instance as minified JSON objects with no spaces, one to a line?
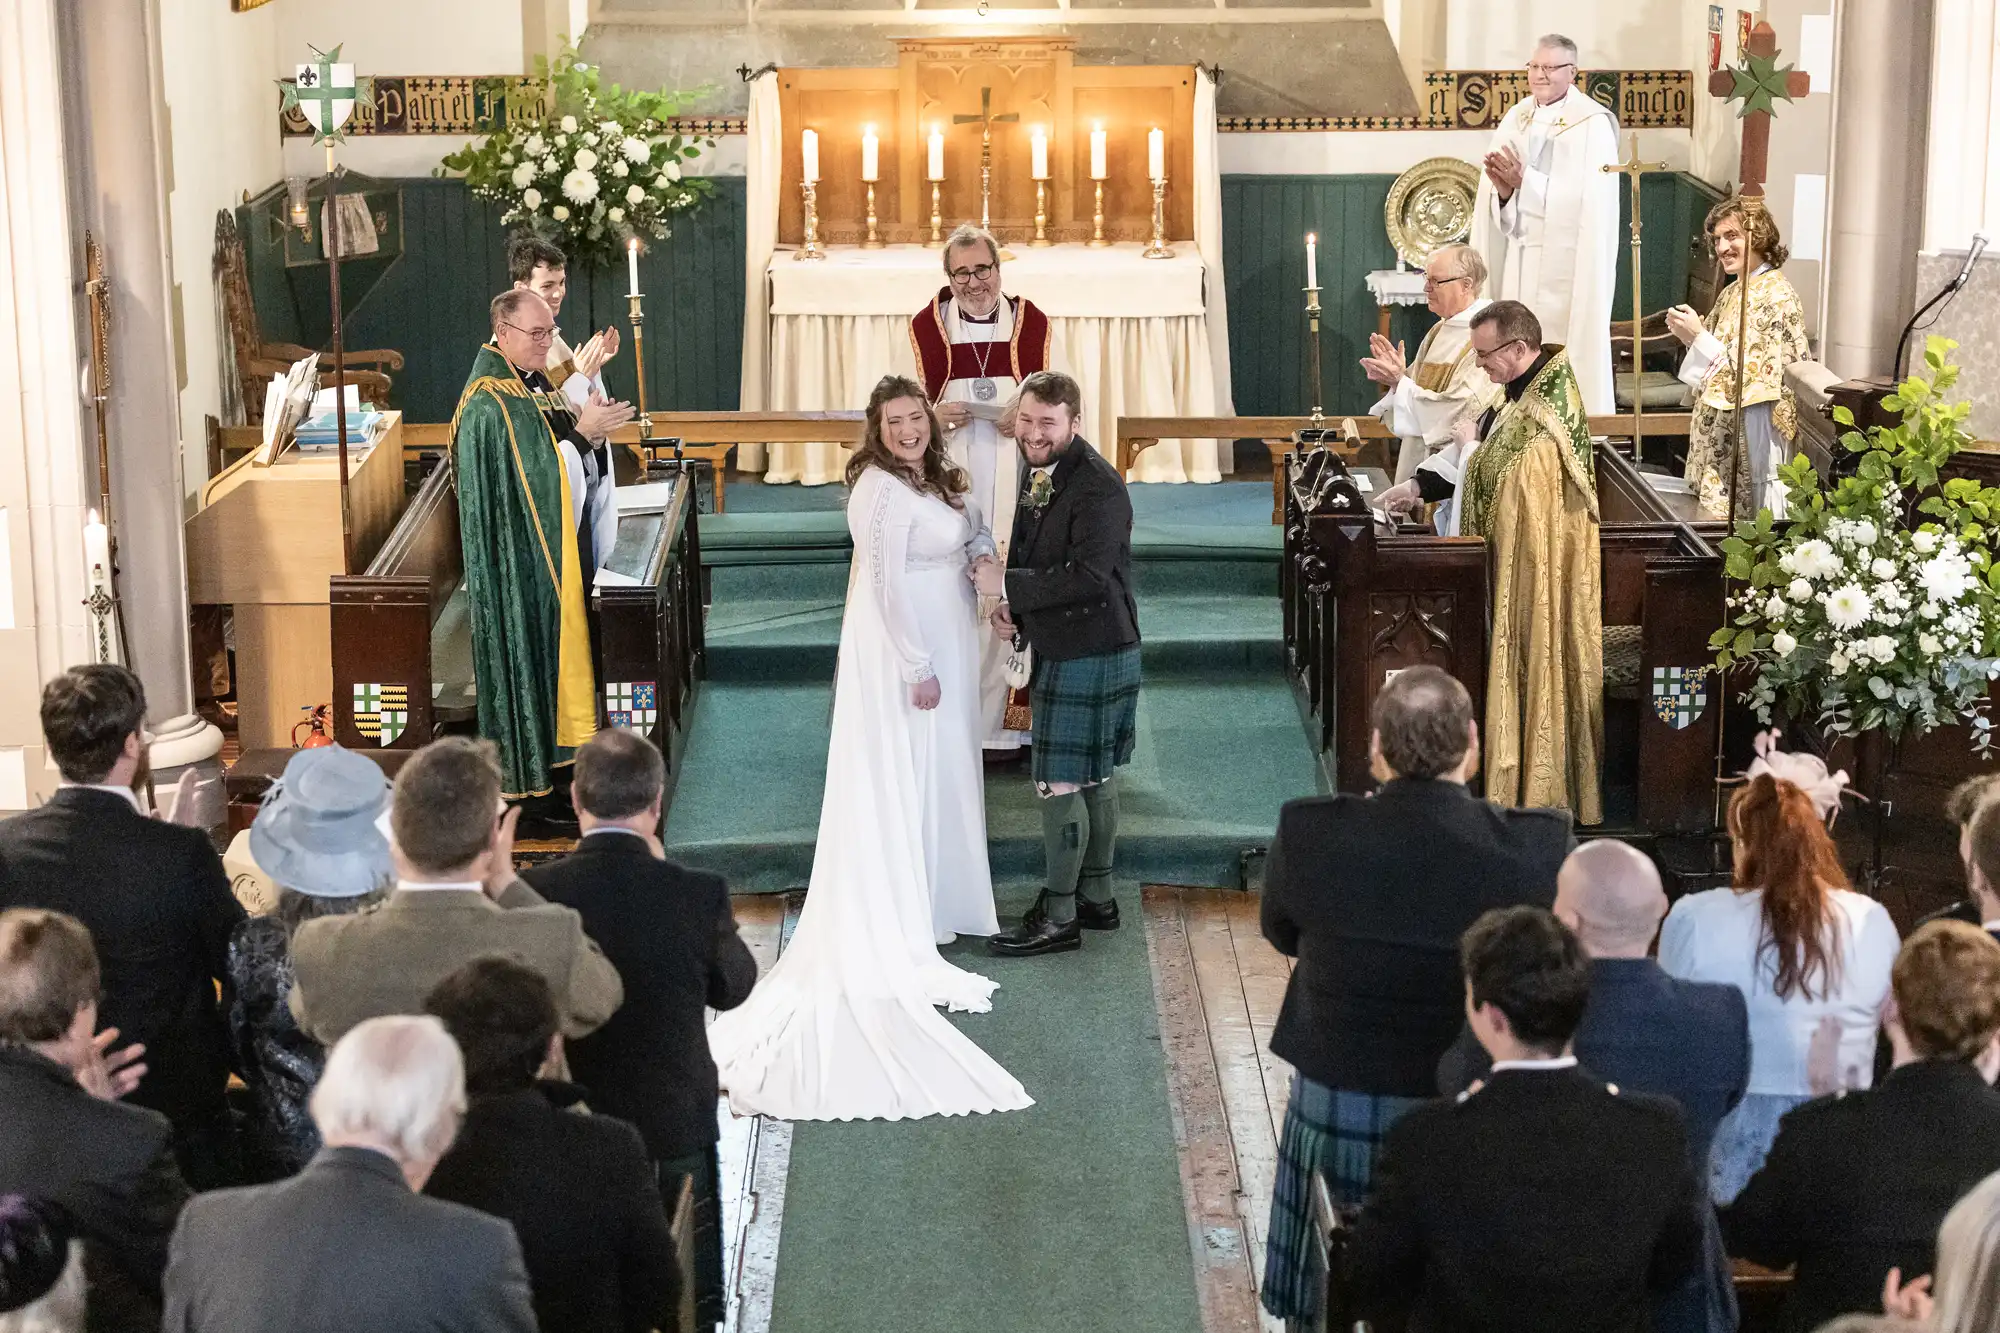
{"x":1797,"y":942}
{"x":1961,"y":1296}
{"x":457,"y":898}
{"x":1857,"y":1184}
{"x":1371,"y":896}
{"x":350,"y":1243}
{"x":673,"y":939}
{"x":316,"y":838}
{"x":577,"y":1187}
{"x":1544,"y":1200}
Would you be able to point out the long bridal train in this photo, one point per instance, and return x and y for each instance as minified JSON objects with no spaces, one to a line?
{"x":846,"y":1025}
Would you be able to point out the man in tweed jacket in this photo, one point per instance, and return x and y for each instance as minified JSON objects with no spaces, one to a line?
{"x":1067,"y":594}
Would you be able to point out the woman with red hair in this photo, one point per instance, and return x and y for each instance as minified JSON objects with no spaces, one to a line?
{"x":1801,"y":946}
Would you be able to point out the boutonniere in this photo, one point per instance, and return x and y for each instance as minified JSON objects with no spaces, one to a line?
{"x":1041,"y":490}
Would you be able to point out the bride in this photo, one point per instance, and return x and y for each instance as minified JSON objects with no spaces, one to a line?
{"x":845,"y":1025}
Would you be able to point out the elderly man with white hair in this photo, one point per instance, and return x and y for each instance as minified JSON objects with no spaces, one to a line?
{"x":351,"y":1242}
{"x":1423,"y":399}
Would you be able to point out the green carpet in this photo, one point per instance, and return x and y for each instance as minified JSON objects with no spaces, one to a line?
{"x":1063,"y":1218}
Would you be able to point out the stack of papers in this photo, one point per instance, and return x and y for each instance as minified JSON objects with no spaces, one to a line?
{"x":322,"y":431}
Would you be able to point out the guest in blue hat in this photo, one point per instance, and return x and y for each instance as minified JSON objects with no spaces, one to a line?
{"x":319,"y":839}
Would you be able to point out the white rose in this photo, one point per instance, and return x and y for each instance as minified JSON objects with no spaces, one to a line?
{"x":506,"y":159}
{"x":524,"y":175}
{"x":535,"y":146}
{"x":673,"y":171}
{"x":1799,"y":590}
{"x":1924,"y":540}
{"x":635,"y":194}
{"x":1862,"y":532}
{"x":585,"y":159}
{"x":1783,"y":644}
{"x":1929,"y":610}
{"x":619,"y":169}
{"x":1882,"y":648}
{"x":636,"y":150}
{"x":610,"y":129}
{"x":1946,"y":576}
{"x":1928,"y":644}
{"x":560,"y":212}
{"x":589,"y":137}
{"x":579,"y":187}
{"x":550,"y":166}
{"x":1837,"y":664}
{"x":1883,"y":568}
{"x":616,"y":215}
{"x":569,"y":124}
{"x":531,"y":198}
{"x":1775,"y":608}
{"x":562,"y":141}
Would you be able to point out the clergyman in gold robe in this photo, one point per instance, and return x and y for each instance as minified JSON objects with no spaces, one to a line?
{"x":1528,"y":485}
{"x":1746,"y":241}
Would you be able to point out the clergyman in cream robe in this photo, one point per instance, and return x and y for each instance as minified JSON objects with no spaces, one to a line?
{"x":1443,"y":385}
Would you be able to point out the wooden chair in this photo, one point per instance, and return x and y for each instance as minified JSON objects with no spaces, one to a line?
{"x":258,"y":360}
{"x":1329,"y":1248}
{"x":1663,"y":391}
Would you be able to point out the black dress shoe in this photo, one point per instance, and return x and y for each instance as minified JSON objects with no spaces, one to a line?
{"x":1089,"y":915}
{"x":1044,"y":936}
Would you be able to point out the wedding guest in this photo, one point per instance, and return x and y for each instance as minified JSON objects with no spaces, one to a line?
{"x":669,"y":932}
{"x":1371,"y":895}
{"x":66,"y":1138}
{"x":41,"y":1269}
{"x":456,"y":898}
{"x":1856,"y":1185}
{"x":1964,"y":1296}
{"x":1545,"y":1200}
{"x":351,"y":1243}
{"x":1799,"y":943}
{"x":317,"y":839}
{"x":1979,"y":845}
{"x":153,"y":896}
{"x":577,"y":1188}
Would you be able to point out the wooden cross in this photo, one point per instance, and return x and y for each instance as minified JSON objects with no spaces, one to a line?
{"x":985,"y":120}
{"x":1757,"y":83}
{"x":1635,"y":169}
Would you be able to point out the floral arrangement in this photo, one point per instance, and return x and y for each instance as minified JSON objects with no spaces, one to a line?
{"x":1878,"y":604}
{"x":600,"y":168}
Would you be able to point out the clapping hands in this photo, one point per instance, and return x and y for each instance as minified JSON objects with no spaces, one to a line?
{"x":1684,"y":324}
{"x":1504,"y":169}
{"x":1385,"y":363}
{"x":590,"y":358}
{"x":109,"y":1074}
{"x":596,"y":419}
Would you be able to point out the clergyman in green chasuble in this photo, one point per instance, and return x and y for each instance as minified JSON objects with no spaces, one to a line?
{"x":523,"y":577}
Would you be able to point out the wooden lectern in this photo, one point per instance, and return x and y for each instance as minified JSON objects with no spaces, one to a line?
{"x":265,"y":541}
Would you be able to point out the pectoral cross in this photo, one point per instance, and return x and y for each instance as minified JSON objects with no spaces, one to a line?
{"x":985,"y":120}
{"x":1635,"y":169}
{"x":1757,"y":83}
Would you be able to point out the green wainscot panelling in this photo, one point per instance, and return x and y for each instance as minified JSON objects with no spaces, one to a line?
{"x":1264,"y":224}
{"x":428,"y":299}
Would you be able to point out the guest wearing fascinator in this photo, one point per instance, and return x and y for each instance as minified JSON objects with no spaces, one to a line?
{"x":41,"y":1270}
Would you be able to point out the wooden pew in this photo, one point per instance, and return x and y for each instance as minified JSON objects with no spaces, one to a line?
{"x":1359,"y":604}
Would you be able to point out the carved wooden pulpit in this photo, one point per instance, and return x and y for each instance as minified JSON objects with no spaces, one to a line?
{"x":967,"y":88}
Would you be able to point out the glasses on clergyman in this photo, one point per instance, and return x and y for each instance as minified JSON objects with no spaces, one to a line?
{"x":533,"y":335}
{"x":1549,"y":70}
{"x":981,"y":272}
{"x":1485,"y":356}
{"x":1431,"y":283}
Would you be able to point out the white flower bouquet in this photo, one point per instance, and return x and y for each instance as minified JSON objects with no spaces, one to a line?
{"x":1878,"y":604}
{"x":601,"y":168}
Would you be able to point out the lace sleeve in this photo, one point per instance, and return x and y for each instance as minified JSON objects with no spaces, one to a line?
{"x":883,"y":546}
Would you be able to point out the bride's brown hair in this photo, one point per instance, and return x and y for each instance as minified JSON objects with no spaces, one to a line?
{"x":941,"y":477}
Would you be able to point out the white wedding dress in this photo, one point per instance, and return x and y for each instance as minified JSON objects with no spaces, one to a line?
{"x":845,"y":1026}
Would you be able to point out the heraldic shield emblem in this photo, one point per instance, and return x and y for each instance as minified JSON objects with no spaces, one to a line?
{"x":1680,"y":695}
{"x":381,"y":712}
{"x":631,"y":703}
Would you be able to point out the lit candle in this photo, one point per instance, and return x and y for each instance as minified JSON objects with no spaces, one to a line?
{"x":809,"y":171}
{"x":1097,"y":153}
{"x":632,"y":263}
{"x":96,"y":550}
{"x":1312,"y":260}
{"x":870,"y":154}
{"x":936,"y":172}
{"x":1156,"y":155}
{"x":1038,"y":154}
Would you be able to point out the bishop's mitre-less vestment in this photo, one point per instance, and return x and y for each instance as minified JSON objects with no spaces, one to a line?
{"x":525,"y":579}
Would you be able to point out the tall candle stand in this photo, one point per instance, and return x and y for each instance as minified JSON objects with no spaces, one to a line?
{"x":874,"y":241}
{"x":1041,"y":214}
{"x":937,"y":216}
{"x":1158,"y":248}
{"x":812,"y":249}
{"x":638,"y":318}
{"x":1312,"y":356}
{"x":1097,"y":220}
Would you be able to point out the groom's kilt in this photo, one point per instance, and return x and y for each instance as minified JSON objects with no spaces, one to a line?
{"x":1086,"y":713}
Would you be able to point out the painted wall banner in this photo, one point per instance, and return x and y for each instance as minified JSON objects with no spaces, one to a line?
{"x":1477,"y":99}
{"x":470,"y":104}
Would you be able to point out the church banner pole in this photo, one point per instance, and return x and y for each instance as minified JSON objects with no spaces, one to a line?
{"x":339,"y":355}
{"x":1635,"y":169}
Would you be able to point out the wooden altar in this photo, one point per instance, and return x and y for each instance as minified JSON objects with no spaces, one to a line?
{"x":944,"y":85}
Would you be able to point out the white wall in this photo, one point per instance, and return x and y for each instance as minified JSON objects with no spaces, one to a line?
{"x":1610,"y":34}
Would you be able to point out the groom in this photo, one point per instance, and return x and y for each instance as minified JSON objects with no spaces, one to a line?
{"x":1067,"y":594}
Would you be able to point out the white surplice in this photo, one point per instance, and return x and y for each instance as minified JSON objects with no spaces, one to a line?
{"x":1553,"y":246}
{"x":845,"y":1026}
{"x":1441,"y":384}
{"x":587,"y":489}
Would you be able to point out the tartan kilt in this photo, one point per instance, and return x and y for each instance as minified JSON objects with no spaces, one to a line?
{"x":1337,"y":1133}
{"x":1086,"y":716}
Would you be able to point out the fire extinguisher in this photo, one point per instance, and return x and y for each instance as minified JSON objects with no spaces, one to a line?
{"x":320,"y":721}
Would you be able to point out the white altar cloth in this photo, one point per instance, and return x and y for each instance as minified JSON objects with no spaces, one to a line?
{"x":1133,"y":332}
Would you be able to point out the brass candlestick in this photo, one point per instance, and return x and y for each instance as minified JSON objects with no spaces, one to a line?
{"x":1312,"y":354}
{"x":1097,"y":219}
{"x":812,"y":249}
{"x":1041,"y":214}
{"x":937,"y":217}
{"x":874,"y":242}
{"x":637,"y":315}
{"x":1158,"y":248}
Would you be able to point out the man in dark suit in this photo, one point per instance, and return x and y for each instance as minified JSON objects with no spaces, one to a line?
{"x":1856,"y":1184}
{"x":1544,"y":1200}
{"x":1067,"y":594}
{"x":109,"y":1168}
{"x":577,"y":1188}
{"x":350,"y":1242}
{"x":154,"y":897}
{"x":672,"y":937}
{"x":1687,"y":1041}
{"x":1371,"y":894}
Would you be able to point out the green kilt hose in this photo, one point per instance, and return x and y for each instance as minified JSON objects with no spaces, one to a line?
{"x":1086,"y":716}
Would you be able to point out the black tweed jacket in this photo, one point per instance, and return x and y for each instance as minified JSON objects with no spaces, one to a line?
{"x":1069,"y":568}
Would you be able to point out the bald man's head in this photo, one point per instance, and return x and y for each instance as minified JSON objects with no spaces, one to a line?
{"x":1610,"y":894}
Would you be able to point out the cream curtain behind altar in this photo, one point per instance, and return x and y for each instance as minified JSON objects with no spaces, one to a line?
{"x":765,"y":150}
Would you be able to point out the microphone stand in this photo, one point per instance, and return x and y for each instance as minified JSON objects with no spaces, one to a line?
{"x":1949,"y":290}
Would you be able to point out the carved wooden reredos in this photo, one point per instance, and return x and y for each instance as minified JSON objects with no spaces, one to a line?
{"x":1034,"y":78}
